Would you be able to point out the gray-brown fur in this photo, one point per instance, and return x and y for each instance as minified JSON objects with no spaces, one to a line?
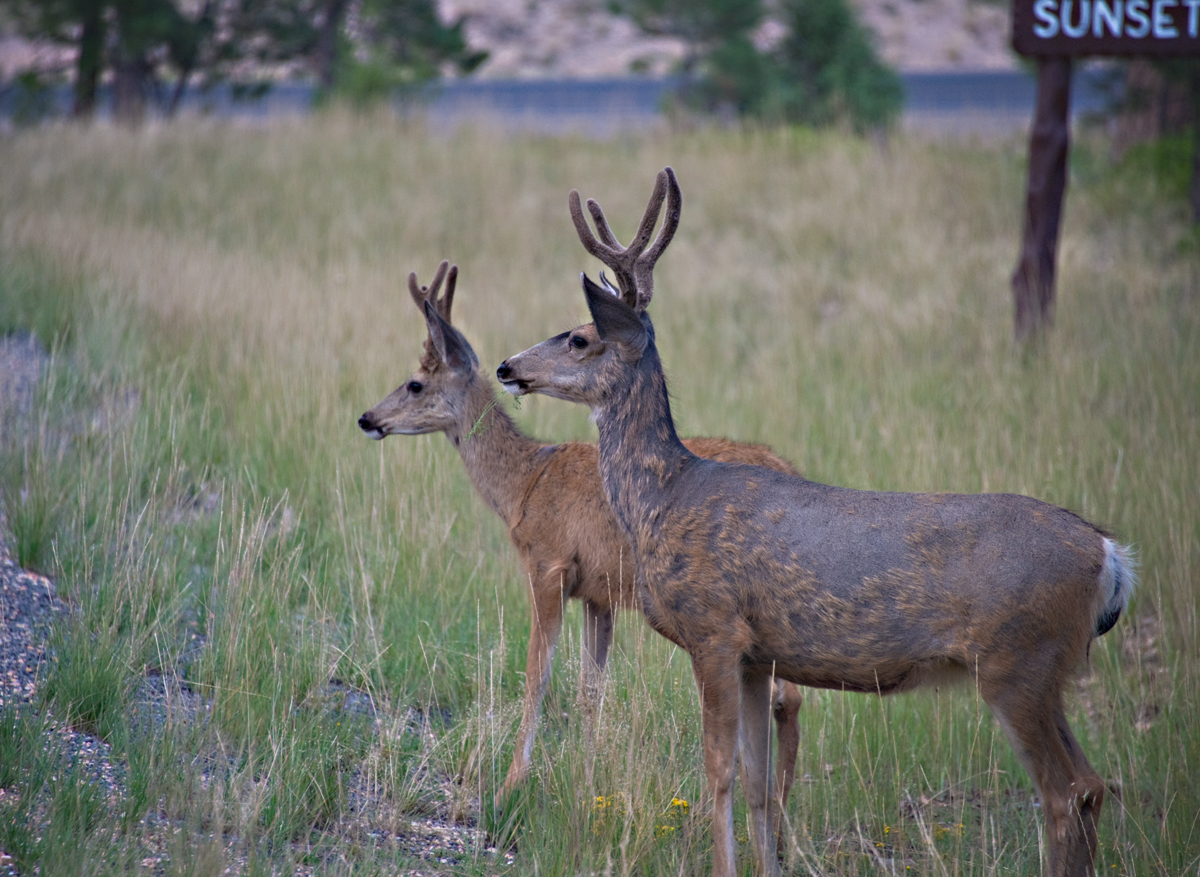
{"x":759,"y":574}
{"x":551,"y":499}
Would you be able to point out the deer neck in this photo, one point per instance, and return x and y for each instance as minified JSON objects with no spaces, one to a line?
{"x":641,"y":455}
{"x":500,"y":459}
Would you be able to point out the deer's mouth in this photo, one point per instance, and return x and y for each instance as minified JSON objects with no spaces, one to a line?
{"x":510,"y":380}
{"x":516,"y":386}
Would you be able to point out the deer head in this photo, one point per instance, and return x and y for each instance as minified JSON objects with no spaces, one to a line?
{"x":430,"y":400}
{"x":572,"y":365}
{"x":588,"y":363}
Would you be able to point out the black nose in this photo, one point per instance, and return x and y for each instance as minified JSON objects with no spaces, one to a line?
{"x":503,"y":372}
{"x":364,"y":422}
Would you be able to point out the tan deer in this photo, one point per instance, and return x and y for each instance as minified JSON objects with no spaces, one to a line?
{"x":551,"y":500}
{"x":760,"y":575}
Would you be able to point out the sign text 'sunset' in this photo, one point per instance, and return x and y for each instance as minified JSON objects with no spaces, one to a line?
{"x":1106,"y":27}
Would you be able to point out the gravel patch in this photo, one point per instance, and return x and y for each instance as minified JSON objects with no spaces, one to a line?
{"x":28,"y":609}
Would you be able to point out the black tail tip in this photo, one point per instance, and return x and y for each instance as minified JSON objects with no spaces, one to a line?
{"x":1107,"y":621}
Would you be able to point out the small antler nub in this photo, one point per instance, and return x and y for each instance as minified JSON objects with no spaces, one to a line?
{"x":421,"y":294}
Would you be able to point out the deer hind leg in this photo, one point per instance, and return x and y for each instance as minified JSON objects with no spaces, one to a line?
{"x":1072,"y":792}
{"x":720,"y":684}
{"x":786,"y":699}
{"x":755,"y":747}
{"x":597,"y":637}
{"x":545,"y":627}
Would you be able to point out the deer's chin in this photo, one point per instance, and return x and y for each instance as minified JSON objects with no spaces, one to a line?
{"x":378,"y":433}
{"x":516,"y":388}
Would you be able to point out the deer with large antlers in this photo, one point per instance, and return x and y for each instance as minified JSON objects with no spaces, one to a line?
{"x":760,"y":575}
{"x":551,"y":500}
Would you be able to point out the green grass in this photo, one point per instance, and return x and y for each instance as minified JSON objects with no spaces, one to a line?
{"x":224,"y":302}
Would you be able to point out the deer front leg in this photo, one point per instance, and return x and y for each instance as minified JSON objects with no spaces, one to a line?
{"x":545,"y":627}
{"x":720,"y":684}
{"x":755,"y":744}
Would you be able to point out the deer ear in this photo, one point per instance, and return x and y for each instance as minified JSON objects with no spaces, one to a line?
{"x":615,"y":321}
{"x":449,"y":343}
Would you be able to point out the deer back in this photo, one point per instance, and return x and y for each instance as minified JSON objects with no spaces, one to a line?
{"x":864,"y":590}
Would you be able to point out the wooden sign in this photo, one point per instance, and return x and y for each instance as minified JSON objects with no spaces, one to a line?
{"x":1106,"y":27}
{"x":1054,"y":32}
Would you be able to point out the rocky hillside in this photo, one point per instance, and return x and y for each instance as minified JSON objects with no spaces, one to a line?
{"x":580,"y":38}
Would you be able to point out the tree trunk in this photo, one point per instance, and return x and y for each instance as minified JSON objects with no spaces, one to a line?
{"x":1049,"y":143}
{"x":327,"y":39}
{"x":130,"y":77}
{"x":91,"y":59}
{"x":177,"y":93}
{"x":1193,"y":86}
{"x":1194,"y":194}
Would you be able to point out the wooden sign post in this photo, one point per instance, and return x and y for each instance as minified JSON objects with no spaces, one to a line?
{"x":1054,"y":32}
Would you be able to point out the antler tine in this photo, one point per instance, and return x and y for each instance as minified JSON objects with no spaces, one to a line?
{"x":643,"y":269}
{"x":443,"y":304}
{"x":415,"y":290}
{"x":602,"y":251}
{"x":610,"y":251}
{"x":422,"y":294}
{"x":650,"y":217}
{"x":603,"y":230}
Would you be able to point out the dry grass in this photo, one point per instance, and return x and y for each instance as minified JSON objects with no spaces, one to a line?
{"x":847,"y":306}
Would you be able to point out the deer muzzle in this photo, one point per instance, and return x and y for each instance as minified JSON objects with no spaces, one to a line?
{"x":367,"y":424}
{"x":509,"y":379}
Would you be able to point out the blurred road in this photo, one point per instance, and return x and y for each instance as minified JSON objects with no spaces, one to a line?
{"x":941,"y":103}
{"x":936,"y":103}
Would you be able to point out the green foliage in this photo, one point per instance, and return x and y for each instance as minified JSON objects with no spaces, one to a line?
{"x":54,"y":815}
{"x":127,"y":37}
{"x":91,"y":681}
{"x":13,"y":743}
{"x":1165,"y":164}
{"x":400,"y":44}
{"x":739,"y":77}
{"x":33,"y":493}
{"x":829,"y":68}
{"x":395,"y":45}
{"x":824,"y":71}
{"x":33,"y":298}
{"x":33,"y":98}
{"x":311,"y":765}
{"x":410,"y":34}
{"x":1165,"y":92}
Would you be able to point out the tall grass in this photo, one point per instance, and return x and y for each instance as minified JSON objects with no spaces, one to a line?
{"x":223,"y":302}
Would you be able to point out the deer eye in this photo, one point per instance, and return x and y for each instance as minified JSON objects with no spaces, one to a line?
{"x":578,"y":342}
{"x":415,"y":387}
